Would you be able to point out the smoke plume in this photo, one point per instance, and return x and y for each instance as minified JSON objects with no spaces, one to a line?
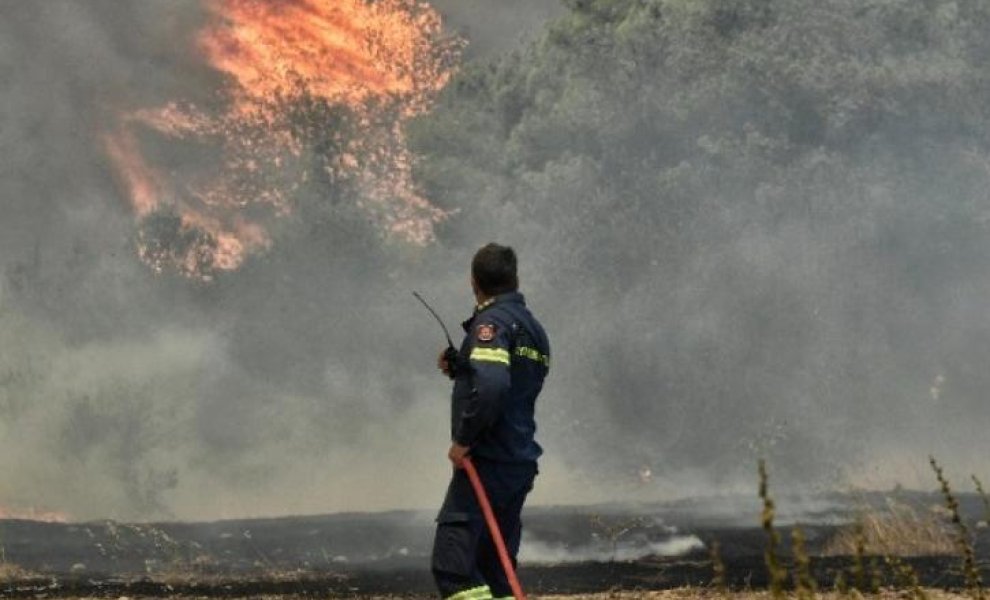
{"x":751,"y":229}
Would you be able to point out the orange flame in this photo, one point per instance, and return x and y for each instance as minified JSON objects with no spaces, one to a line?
{"x":34,"y":514}
{"x":345,"y":49}
{"x":141,"y":180}
{"x":273,"y":53}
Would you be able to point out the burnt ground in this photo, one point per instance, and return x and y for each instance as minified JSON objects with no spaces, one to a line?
{"x":567,"y":550}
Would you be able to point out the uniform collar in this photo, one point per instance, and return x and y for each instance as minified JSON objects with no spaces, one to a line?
{"x":509,"y":297}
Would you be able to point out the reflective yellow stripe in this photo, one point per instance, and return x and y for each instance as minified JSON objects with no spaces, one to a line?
{"x":533,"y":354}
{"x":495,"y":355}
{"x":479,"y":593}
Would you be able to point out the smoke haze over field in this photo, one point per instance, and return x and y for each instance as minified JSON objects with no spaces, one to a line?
{"x":125,"y":394}
{"x":734,"y":255}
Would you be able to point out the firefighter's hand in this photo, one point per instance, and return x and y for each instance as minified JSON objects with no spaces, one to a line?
{"x":442,"y":363}
{"x":457,"y":453}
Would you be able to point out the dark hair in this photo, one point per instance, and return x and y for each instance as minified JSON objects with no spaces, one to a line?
{"x":494,"y":269}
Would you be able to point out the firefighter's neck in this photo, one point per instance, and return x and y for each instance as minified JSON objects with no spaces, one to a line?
{"x":480,"y":297}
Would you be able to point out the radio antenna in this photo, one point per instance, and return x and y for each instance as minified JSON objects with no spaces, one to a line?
{"x":446,"y":333}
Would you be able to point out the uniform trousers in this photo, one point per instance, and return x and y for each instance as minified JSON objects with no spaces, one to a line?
{"x":465,"y":563}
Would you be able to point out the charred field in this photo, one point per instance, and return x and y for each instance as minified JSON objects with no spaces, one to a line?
{"x":614,"y":549}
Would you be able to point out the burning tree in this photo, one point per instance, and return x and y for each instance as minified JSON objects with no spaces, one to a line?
{"x":311,"y":91}
{"x":165,"y":242}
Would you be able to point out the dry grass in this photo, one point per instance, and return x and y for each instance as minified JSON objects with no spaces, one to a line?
{"x":778,"y":574}
{"x":678,"y":594}
{"x":11,"y":572}
{"x":704,"y":594}
{"x":898,"y":530}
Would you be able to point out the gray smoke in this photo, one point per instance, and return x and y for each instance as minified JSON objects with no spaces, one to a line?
{"x":290,"y":387}
{"x":304,"y":382}
{"x":762,"y":225}
{"x":500,"y":26}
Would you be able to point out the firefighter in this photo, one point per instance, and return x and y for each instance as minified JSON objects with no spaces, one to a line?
{"x":497,"y":375}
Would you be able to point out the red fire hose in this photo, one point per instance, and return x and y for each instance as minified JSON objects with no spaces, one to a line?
{"x":486,"y":509}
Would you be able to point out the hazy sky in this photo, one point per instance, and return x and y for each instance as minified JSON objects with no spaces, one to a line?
{"x":304,"y":382}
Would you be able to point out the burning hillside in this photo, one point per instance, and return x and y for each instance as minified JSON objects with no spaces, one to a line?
{"x":309,"y":90}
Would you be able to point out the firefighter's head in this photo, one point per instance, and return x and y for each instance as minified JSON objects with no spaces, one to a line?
{"x":493,"y":271}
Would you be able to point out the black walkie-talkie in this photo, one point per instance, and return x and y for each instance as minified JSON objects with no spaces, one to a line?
{"x":450,"y":354}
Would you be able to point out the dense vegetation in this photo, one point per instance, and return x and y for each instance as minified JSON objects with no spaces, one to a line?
{"x":763,"y":219}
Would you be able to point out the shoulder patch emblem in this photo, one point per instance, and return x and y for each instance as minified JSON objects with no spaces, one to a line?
{"x":486,"y":332}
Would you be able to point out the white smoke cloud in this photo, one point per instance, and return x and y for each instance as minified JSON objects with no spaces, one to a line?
{"x":535,"y":551}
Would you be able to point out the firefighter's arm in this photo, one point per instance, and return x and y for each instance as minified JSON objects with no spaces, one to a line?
{"x":489,"y":361}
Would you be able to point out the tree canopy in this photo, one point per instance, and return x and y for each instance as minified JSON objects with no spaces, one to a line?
{"x":752,"y":215}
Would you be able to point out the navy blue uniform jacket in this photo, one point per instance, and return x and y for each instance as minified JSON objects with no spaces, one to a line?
{"x":501,"y":366}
